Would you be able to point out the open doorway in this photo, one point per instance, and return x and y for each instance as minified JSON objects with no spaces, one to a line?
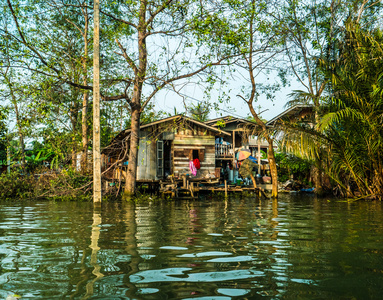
{"x":195,"y":154}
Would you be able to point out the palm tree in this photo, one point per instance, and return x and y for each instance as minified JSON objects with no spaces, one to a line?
{"x":354,"y":118}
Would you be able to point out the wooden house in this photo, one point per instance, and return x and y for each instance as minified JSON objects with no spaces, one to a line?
{"x":243,"y":135}
{"x":166,"y":147}
{"x":296,"y":113}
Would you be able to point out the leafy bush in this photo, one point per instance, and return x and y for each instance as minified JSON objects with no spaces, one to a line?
{"x":66,"y":185}
{"x":289,"y":164}
{"x":17,"y":186}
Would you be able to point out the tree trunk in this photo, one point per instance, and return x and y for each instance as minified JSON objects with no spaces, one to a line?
{"x":84,"y":125}
{"x":74,"y":154}
{"x":84,"y":133}
{"x":22,"y":147}
{"x":273,"y":169}
{"x":97,"y":194}
{"x":270,"y":151}
{"x":130,"y":184}
{"x":135,"y":103}
{"x":317,"y":174}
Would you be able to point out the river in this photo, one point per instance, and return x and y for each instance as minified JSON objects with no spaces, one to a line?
{"x":300,"y":247}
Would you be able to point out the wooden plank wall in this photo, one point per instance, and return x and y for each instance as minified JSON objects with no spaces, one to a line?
{"x":187,"y":137}
{"x":183,"y":144}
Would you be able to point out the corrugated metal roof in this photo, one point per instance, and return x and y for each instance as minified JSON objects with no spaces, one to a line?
{"x":294,"y":110}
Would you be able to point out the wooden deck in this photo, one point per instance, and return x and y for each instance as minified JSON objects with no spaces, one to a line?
{"x":190,"y":188}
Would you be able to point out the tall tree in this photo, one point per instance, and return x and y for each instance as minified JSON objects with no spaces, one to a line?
{"x":152,"y":46}
{"x":166,"y":52}
{"x":309,"y":30}
{"x":352,"y":122}
{"x":249,"y":36}
{"x":312,"y":48}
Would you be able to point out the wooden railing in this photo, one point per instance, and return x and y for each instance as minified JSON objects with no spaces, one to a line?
{"x":223,"y":150}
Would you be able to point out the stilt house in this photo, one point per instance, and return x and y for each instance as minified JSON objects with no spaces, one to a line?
{"x":166,"y":147}
{"x":243,"y":135}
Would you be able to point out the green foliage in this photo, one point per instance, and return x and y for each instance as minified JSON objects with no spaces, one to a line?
{"x":46,"y":184}
{"x":200,"y":111}
{"x":352,"y":121}
{"x":292,"y":165}
{"x":15,"y":186}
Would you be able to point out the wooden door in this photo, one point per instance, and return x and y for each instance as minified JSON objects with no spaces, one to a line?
{"x":160,"y":159}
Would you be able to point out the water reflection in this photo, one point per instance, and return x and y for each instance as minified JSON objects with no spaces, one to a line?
{"x":235,"y":248}
{"x":95,"y":236}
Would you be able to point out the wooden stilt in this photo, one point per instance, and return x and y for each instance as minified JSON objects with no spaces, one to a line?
{"x":191,"y":189}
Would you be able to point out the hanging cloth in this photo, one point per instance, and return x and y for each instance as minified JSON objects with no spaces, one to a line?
{"x":197,"y":163}
{"x":192,"y":168}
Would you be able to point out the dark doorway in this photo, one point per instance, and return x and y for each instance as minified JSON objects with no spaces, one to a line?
{"x":195,"y":154}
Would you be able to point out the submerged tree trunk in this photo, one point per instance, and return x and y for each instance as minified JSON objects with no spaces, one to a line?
{"x":270,"y":151}
{"x":131,"y":175}
{"x":273,"y":168}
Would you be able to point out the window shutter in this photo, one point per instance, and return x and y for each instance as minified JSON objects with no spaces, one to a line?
{"x":201,"y":154}
{"x":160,"y":159}
{"x":188,"y":153}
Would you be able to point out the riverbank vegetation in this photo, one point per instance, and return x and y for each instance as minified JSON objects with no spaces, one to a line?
{"x":332,"y":49}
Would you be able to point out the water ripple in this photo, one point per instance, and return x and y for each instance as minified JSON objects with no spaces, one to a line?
{"x":179,"y":275}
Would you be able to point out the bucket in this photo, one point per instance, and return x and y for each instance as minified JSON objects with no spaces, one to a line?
{"x":231,"y":176}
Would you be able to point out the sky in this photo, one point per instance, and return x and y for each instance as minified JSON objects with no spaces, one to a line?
{"x":167,"y":100}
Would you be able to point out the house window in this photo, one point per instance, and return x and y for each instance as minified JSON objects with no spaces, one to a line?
{"x":192,"y":154}
{"x":201,"y":154}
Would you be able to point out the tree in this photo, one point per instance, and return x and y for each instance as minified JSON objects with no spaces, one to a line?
{"x":313,"y":56}
{"x":146,"y":74}
{"x":57,"y":60}
{"x":153,"y":46}
{"x":352,"y":122}
{"x":13,"y":91}
{"x":257,"y":47}
{"x":309,"y":30}
{"x":200,"y":112}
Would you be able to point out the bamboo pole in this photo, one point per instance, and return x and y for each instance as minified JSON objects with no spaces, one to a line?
{"x":96,"y":106}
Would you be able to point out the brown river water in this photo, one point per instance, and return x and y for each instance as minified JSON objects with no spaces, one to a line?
{"x":298,"y":247}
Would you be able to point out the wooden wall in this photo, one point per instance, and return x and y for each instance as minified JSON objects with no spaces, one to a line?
{"x":186,"y":138}
{"x":183,"y":147}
